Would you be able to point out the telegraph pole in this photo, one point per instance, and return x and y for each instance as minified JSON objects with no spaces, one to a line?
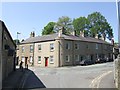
{"x":117,"y":61}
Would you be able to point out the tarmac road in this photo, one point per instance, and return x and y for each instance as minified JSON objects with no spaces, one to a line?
{"x":92,"y":76}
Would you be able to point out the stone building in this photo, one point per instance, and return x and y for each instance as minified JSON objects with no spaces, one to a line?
{"x":59,"y":49}
{"x":7,"y":52}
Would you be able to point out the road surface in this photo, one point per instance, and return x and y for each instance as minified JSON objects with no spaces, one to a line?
{"x":92,"y":76}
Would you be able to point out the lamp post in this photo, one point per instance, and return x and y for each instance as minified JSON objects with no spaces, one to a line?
{"x":17,"y":38}
{"x":15,"y":57}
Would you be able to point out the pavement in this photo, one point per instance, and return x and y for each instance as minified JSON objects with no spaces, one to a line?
{"x":13,"y":81}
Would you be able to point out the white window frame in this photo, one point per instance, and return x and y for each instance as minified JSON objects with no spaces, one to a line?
{"x":68,"y":58}
{"x":51,"y":59}
{"x":39,"y":61}
{"x":23,"y":49}
{"x":52,"y":47}
{"x":76,"y":44}
{"x":22,"y":58}
{"x":31,"y":59}
{"x":68,"y":46}
{"x":31,"y":48}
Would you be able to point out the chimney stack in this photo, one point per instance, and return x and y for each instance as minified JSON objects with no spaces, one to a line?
{"x":32,"y":34}
{"x":82,"y":33}
{"x":73,"y":33}
{"x":61,"y":31}
{"x":96,"y":36}
{"x":103,"y":37}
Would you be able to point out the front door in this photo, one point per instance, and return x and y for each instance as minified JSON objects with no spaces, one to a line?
{"x":46,"y":61}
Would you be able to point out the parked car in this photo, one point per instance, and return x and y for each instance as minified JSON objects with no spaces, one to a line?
{"x":97,"y":60}
{"x":100,"y":60}
{"x":109,"y":59}
{"x":86,"y":62}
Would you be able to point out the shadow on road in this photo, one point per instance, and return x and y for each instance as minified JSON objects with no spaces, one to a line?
{"x":33,"y":82}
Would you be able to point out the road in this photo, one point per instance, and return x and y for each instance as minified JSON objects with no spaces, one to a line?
{"x":92,"y":76}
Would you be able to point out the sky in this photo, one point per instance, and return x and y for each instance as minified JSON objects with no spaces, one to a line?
{"x":25,"y":17}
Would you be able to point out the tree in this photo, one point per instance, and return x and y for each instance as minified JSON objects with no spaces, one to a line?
{"x":49,"y":28}
{"x":65,"y":22}
{"x":99,"y":25}
{"x":80,"y":24}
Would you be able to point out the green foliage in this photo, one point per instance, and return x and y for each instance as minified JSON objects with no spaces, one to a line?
{"x":49,"y":28}
{"x":65,"y":22}
{"x":80,"y":24}
{"x":99,"y":25}
{"x":94,"y":24}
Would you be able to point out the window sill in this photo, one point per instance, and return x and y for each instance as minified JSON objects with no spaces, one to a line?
{"x":67,"y":61}
{"x":51,"y":50}
{"x":39,"y":62}
{"x":51,"y":62}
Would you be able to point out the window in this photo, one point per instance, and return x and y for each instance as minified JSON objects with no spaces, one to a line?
{"x":81,"y":58}
{"x":39,"y":59}
{"x":67,"y":59}
{"x":76,"y":46}
{"x":67,"y":46}
{"x":31,"y":59}
{"x":76,"y":57}
{"x":96,"y":46}
{"x":23,"y":49}
{"x":87,"y":47}
{"x":51,"y":46}
{"x":31,"y":48}
{"x":22,"y":59}
{"x":105,"y":46}
{"x":39,"y":47}
{"x":97,"y":56}
{"x":51,"y":59}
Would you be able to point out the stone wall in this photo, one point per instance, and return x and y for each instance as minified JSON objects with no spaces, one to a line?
{"x":117,"y":72}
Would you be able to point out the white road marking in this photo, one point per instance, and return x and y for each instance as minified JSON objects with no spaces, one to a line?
{"x":96,"y":82}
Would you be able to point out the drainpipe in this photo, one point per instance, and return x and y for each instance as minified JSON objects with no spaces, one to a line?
{"x":59,"y":53}
{"x":33,"y":52}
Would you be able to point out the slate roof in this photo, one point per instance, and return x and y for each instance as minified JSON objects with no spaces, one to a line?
{"x":52,"y":37}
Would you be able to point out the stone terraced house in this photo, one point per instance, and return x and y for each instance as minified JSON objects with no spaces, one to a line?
{"x":59,"y":49}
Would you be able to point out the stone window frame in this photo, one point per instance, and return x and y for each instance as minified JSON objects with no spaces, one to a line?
{"x":96,"y":46}
{"x":51,"y":59}
{"x":52,"y":47}
{"x":39,"y":47}
{"x":39,"y":59}
{"x":76,"y":56}
{"x":76,"y":46}
{"x":68,"y":46}
{"x":31,"y":48}
{"x":67,"y":58}
{"x":23,"y":49}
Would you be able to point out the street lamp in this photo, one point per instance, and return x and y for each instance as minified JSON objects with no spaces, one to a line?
{"x":17,"y":38}
{"x":16,"y":60}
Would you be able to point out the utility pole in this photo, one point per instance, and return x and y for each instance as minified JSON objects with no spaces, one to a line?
{"x":119,"y":44}
{"x":117,"y":61}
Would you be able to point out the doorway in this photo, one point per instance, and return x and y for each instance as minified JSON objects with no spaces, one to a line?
{"x":46,"y":61}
